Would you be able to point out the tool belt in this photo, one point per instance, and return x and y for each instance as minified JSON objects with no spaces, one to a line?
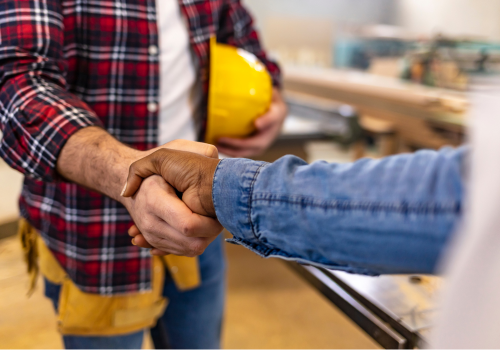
{"x":101,"y":315}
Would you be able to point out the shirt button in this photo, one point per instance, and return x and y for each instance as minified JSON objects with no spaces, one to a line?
{"x":153,"y":50}
{"x":152,"y":107}
{"x":174,"y":269}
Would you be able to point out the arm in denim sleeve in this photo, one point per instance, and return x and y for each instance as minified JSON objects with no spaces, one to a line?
{"x":392,"y":215}
{"x":37,"y":113}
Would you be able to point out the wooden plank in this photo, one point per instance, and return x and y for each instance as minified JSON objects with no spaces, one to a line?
{"x":415,"y":112}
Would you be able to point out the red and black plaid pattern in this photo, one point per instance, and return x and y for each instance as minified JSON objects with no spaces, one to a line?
{"x":67,"y":64}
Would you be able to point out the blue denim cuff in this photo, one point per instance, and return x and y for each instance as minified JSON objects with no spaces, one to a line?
{"x":232,"y":193}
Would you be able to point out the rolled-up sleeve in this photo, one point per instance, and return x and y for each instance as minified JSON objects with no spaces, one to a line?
{"x":232,"y":194}
{"x":38,"y":115}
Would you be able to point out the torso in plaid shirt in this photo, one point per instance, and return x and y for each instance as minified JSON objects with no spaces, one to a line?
{"x":65,"y":65}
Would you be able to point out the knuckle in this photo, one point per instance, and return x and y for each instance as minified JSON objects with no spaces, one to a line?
{"x":154,"y":240}
{"x":133,"y":167}
{"x":197,"y":247}
{"x":148,"y":225}
{"x":150,"y":201}
{"x":187,"y":228}
{"x":212,"y":151}
{"x":176,"y":143}
{"x":151,"y":184}
{"x":159,"y":241}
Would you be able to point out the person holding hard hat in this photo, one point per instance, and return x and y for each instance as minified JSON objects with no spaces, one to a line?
{"x":240,"y":86}
{"x":87,"y":89}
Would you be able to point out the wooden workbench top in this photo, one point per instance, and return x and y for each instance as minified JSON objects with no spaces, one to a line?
{"x":359,"y":88}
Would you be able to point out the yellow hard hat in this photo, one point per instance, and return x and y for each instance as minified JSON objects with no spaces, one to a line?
{"x":240,"y":91}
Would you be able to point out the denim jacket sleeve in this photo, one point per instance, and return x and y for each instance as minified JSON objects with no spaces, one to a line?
{"x":372,"y":217}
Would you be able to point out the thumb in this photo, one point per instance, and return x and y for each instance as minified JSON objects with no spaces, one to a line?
{"x":265,"y":121}
{"x":151,"y":164}
{"x":140,"y":170}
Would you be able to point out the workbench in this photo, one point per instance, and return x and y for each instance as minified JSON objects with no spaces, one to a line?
{"x":396,"y":311}
{"x":424,"y":117}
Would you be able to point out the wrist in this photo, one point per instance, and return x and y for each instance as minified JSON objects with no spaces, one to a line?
{"x":93,"y":158}
{"x":121,"y":169}
{"x":206,"y":184}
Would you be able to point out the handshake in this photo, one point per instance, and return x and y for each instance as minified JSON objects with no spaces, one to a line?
{"x":171,"y":202}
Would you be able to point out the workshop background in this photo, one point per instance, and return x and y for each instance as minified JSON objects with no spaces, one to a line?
{"x":362,"y":78}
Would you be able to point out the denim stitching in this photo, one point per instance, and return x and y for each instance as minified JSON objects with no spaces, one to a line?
{"x":349,"y":205}
{"x":250,"y":195}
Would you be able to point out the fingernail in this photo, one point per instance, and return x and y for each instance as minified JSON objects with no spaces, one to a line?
{"x":124,"y":189}
{"x":133,"y":241}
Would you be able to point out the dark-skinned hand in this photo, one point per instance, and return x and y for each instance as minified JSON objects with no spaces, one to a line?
{"x":190,"y":174}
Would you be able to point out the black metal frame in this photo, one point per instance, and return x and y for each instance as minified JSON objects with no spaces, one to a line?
{"x":384,"y":328}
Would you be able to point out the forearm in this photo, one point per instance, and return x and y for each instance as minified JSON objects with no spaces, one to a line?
{"x":96,"y":160}
{"x":389,"y":216}
{"x":38,"y":114}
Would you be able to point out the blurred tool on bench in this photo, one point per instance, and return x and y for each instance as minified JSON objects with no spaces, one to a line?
{"x":401,"y":116}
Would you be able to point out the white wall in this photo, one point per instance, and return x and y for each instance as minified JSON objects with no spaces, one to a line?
{"x":10,"y":188}
{"x":301,"y":31}
{"x":339,"y":11}
{"x":456,"y":17}
{"x":359,"y":11}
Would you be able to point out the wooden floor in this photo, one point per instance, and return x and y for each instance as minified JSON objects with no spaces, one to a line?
{"x":25,"y":323}
{"x":268,"y":306}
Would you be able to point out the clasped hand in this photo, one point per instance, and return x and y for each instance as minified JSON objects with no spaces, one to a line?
{"x":186,"y":227}
{"x":163,"y":221}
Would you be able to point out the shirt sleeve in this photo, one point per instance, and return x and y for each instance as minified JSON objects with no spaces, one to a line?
{"x":393,"y":215}
{"x":236,"y":28}
{"x":38,"y":114}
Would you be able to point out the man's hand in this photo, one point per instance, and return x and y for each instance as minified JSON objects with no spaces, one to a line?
{"x":96,"y":160}
{"x":268,"y":127}
{"x":163,"y":219}
{"x":167,"y":223}
{"x":189,"y":173}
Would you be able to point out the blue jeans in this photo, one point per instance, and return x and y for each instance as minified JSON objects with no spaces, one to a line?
{"x":192,"y":320}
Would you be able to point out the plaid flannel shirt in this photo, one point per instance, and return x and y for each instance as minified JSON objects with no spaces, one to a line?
{"x":69,"y":64}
